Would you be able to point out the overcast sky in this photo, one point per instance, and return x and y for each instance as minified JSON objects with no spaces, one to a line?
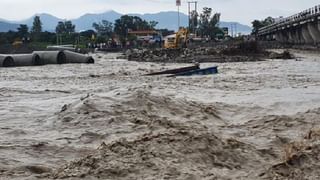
{"x":243,"y":11}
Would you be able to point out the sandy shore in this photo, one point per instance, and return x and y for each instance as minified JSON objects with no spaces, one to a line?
{"x":107,"y":121}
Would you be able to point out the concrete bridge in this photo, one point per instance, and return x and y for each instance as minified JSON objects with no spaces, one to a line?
{"x":301,"y":28}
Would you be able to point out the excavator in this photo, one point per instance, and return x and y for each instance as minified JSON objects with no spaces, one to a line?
{"x":177,"y":40}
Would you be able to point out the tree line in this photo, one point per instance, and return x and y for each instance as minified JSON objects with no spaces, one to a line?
{"x":204,"y":25}
{"x":101,"y":32}
{"x":257,"y":24}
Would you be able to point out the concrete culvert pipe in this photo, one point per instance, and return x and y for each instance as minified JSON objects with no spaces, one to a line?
{"x":6,"y":61}
{"x":52,"y":57}
{"x":27,"y":60}
{"x":73,"y":57}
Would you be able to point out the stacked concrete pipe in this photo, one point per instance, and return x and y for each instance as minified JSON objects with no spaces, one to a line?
{"x":6,"y":61}
{"x":61,"y":48}
{"x":73,"y":57}
{"x":52,"y":57}
{"x":27,"y":60}
{"x":44,"y":57}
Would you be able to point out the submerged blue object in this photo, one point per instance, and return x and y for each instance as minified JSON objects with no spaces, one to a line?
{"x":205,"y":71}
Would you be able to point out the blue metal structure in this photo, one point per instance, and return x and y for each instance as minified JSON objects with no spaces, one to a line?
{"x":204,"y":71}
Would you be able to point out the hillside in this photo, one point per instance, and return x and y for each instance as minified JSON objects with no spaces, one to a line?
{"x":165,"y":19}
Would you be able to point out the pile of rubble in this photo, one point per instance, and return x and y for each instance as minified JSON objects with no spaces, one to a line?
{"x":237,"y":53}
{"x":284,"y":55}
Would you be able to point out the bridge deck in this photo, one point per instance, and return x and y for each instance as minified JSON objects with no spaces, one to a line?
{"x":309,"y":15}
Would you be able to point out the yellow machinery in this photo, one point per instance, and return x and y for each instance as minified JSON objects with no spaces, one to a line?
{"x":177,"y":40}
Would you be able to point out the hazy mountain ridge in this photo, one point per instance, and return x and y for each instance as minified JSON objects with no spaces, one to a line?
{"x":85,"y":22}
{"x":49,"y":22}
{"x":6,"y":26}
{"x":165,"y":19}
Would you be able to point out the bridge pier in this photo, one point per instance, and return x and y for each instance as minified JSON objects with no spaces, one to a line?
{"x":282,"y":37}
{"x":267,"y":38}
{"x":314,"y":30}
{"x":291,"y":36}
{"x":297,"y":34}
{"x":306,"y":34}
{"x":279,"y":36}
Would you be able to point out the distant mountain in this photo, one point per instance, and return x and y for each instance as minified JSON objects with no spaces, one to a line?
{"x":49,"y":22}
{"x":167,"y":20}
{"x":85,"y":22}
{"x":3,"y":20}
{"x":236,"y":27}
{"x":5,"y":26}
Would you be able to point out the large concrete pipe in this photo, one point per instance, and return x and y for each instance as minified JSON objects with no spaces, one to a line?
{"x":61,"y":48}
{"x":6,"y":61}
{"x":52,"y":57}
{"x":27,"y":60}
{"x":73,"y":57}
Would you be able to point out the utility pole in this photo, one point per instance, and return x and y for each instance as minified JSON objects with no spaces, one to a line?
{"x":233,"y":29}
{"x":178,"y":4}
{"x":189,"y":14}
{"x":178,"y":17}
{"x":195,"y":3}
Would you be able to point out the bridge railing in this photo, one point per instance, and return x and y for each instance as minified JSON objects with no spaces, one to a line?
{"x":311,"y":12}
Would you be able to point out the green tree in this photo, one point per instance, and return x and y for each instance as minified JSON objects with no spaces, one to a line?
{"x":60,"y":28}
{"x":8,"y":37}
{"x":23,"y":30}
{"x":153,"y":24}
{"x":88,"y":33}
{"x":70,"y":28}
{"x":215,"y":30}
{"x":48,"y":37}
{"x":131,"y":23}
{"x":208,"y":24}
{"x":257,"y":24}
{"x":204,"y":21}
{"x":122,"y":25}
{"x":66,"y":33}
{"x":269,"y":20}
{"x":194,"y":21}
{"x":36,"y":28}
{"x":103,"y":28}
{"x":126,"y":23}
{"x":65,"y":27}
{"x":37,"y":25}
